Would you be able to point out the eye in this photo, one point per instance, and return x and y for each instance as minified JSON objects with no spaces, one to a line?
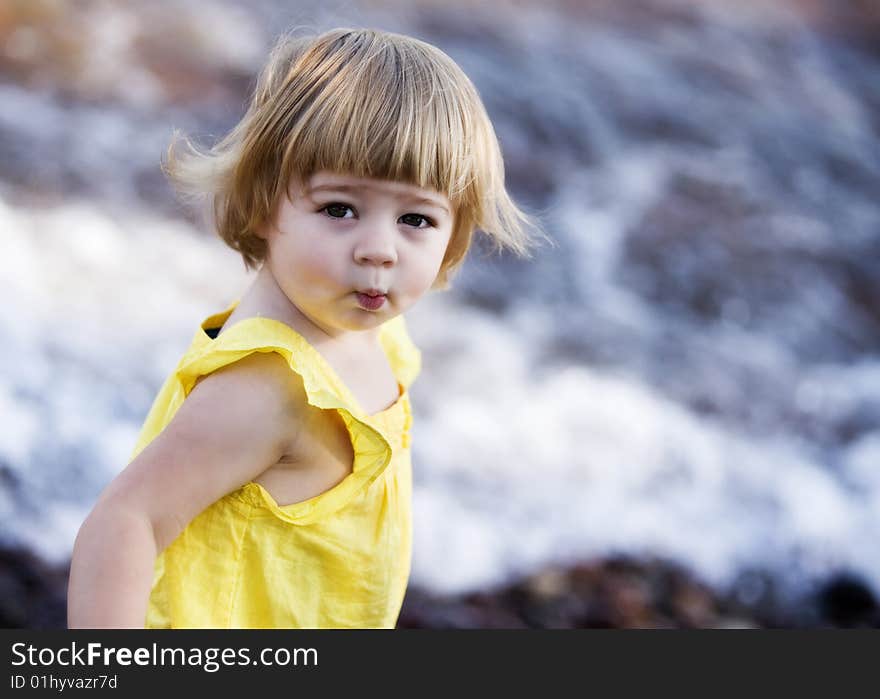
{"x":337,"y":210}
{"x":416,"y":220}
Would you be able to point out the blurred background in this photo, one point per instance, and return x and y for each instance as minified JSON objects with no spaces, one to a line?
{"x":669,"y":419}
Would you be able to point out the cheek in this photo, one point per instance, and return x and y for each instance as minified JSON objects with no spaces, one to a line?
{"x":318,"y":264}
{"x":439,"y":253}
{"x":423,"y":270}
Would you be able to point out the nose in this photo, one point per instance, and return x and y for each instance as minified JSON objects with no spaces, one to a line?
{"x":376,"y":247}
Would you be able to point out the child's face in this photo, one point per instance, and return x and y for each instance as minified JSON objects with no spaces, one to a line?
{"x":338,"y":243}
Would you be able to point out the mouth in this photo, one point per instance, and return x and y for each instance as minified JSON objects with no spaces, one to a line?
{"x":371,"y":299}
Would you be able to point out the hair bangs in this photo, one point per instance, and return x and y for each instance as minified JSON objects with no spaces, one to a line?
{"x":384,"y":113}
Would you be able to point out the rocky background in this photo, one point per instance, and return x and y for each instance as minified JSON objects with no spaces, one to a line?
{"x":669,"y":418}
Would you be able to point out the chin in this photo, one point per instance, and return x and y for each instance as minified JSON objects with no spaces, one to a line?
{"x":368,"y":320}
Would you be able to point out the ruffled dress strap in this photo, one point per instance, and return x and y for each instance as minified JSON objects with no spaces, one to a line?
{"x":373,"y":438}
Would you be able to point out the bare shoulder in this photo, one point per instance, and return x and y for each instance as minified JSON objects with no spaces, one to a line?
{"x":258,"y":396}
{"x":263,"y":378}
{"x":235,"y":424}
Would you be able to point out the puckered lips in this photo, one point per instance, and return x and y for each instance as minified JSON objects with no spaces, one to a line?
{"x":371,"y":299}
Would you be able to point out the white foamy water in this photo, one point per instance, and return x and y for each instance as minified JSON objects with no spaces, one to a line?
{"x":523,"y":466}
{"x":98,"y":307}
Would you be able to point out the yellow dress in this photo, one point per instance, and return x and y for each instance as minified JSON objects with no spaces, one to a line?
{"x":340,"y":559}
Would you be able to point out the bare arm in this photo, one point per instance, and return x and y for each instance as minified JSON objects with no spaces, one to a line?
{"x":235,"y":423}
{"x":111,"y":571}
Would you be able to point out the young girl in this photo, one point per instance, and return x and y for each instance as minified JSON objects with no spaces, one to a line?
{"x":270,"y":486}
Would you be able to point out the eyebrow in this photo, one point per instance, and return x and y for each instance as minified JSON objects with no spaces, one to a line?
{"x":353,"y":190}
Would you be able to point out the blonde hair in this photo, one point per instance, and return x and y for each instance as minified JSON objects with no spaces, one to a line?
{"x":367,"y":103}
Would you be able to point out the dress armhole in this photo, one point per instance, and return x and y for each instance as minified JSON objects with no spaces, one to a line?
{"x":372,"y":450}
{"x":210,"y":351}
